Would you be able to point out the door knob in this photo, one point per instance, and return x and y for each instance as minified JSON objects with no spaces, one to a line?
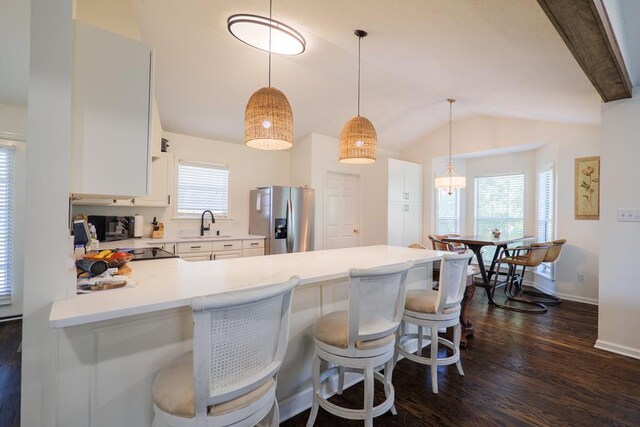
{"x":355,"y":230}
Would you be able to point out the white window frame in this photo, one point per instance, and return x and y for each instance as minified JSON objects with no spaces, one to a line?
{"x":456,"y":192}
{"x":546,"y":270}
{"x":6,"y":296}
{"x":488,"y":250}
{"x":189,"y":217}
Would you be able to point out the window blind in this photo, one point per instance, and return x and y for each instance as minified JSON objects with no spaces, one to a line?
{"x":499,"y":203}
{"x":447,"y":212}
{"x":7,"y":156}
{"x":202,"y":186}
{"x":544,"y":214}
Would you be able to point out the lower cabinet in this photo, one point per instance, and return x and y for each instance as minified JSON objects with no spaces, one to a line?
{"x":196,"y":257}
{"x":216,"y":250}
{"x":226,"y":255}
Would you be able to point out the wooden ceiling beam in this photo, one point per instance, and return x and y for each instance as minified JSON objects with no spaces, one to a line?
{"x":585,"y":28}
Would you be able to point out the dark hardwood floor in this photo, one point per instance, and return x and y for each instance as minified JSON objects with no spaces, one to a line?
{"x":10,"y":360}
{"x":520,"y":370}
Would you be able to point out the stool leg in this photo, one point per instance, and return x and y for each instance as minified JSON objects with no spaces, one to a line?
{"x":420,"y":335}
{"x":316,"y":389}
{"x":368,"y":395}
{"x":340,"y":379}
{"x":388,"y":386}
{"x":275,"y":415}
{"x":456,"y":344}
{"x":434,"y":359}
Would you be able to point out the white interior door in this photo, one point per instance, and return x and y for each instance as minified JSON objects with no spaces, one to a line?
{"x":341,"y":212}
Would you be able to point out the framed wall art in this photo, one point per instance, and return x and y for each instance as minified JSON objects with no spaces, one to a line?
{"x":587,"y":188}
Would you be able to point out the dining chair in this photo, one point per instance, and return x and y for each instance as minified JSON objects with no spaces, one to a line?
{"x":433,"y":310}
{"x":438,"y":244}
{"x":553,"y":252}
{"x":229,"y":379}
{"x":529,"y":256}
{"x":360,"y":339}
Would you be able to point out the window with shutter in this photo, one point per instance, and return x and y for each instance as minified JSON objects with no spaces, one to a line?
{"x":7,"y":158}
{"x":499,"y":203}
{"x":447,"y":211}
{"x":544,"y":214}
{"x":202,"y":187}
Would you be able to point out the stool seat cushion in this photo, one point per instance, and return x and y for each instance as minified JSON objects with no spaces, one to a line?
{"x":333,"y":329}
{"x":173,"y":391}
{"x":424,"y":301}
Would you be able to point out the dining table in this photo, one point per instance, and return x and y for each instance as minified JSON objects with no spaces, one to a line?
{"x":476,"y":243}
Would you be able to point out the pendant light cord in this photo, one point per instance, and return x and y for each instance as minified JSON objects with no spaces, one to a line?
{"x":359,"y":43}
{"x":450,"y":107}
{"x":270,"y":25}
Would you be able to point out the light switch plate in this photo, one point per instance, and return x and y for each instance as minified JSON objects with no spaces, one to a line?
{"x":628,"y":215}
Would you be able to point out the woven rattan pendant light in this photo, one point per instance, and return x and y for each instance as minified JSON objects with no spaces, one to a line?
{"x":358,"y":137}
{"x":268,"y":119}
{"x":450,"y":181}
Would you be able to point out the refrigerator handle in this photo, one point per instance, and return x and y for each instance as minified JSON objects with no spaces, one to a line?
{"x":289,"y":227}
{"x":259,"y":203}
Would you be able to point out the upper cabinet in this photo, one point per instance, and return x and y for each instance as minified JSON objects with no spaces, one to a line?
{"x":112,"y":126}
{"x":405,"y":181}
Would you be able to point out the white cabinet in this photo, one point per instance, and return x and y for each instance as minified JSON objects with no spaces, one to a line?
{"x":111,"y":107}
{"x":252,"y":247}
{"x":404,"y":212}
{"x":405,"y":181}
{"x":161,"y":179}
{"x":226,"y":255}
{"x":196,"y":257}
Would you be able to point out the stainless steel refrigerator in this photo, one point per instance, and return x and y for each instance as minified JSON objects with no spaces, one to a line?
{"x":284,"y":215}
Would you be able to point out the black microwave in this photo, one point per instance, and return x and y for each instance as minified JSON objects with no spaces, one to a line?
{"x":110,"y":228}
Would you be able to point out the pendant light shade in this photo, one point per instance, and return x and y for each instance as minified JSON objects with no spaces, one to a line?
{"x":358,"y":138}
{"x":450,"y":181}
{"x":268,"y":120}
{"x":358,"y":141}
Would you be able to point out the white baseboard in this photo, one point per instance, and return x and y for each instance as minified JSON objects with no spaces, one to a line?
{"x":618,"y":349}
{"x":568,"y":297}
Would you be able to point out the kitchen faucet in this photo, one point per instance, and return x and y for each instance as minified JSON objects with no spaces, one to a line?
{"x":202,"y":227}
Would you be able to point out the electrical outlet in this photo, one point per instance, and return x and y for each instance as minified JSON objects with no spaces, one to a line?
{"x":628,"y":215}
{"x":581,"y":277}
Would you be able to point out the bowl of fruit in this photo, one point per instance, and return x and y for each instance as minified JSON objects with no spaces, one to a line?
{"x":114,"y":258}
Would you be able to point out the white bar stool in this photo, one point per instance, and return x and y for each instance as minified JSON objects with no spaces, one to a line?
{"x":431,"y":309}
{"x":239,"y":341}
{"x":361,"y":339}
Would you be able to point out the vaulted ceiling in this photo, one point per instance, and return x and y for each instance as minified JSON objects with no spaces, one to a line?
{"x":497,"y":58}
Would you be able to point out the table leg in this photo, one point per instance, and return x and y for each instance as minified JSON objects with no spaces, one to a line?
{"x":465,"y":323}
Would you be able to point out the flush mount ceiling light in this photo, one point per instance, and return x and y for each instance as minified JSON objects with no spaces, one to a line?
{"x":358,"y":137}
{"x":256,"y":31}
{"x":268,"y":119}
{"x":450,"y":181}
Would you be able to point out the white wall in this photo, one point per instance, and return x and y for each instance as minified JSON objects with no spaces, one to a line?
{"x":481,"y":134}
{"x":324,"y":155}
{"x":13,"y":122}
{"x":248,"y":169}
{"x":619,"y":293}
{"x":46,"y":277}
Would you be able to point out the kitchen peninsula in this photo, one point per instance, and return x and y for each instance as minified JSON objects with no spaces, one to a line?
{"x":112,"y":343}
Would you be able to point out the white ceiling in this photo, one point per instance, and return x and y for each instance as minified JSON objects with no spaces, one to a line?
{"x":497,"y":58}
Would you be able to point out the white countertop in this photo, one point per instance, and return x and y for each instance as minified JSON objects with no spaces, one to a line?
{"x":171,"y":283}
{"x":145,"y":242}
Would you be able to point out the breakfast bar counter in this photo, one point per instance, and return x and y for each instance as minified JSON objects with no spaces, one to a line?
{"x":112,"y":343}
